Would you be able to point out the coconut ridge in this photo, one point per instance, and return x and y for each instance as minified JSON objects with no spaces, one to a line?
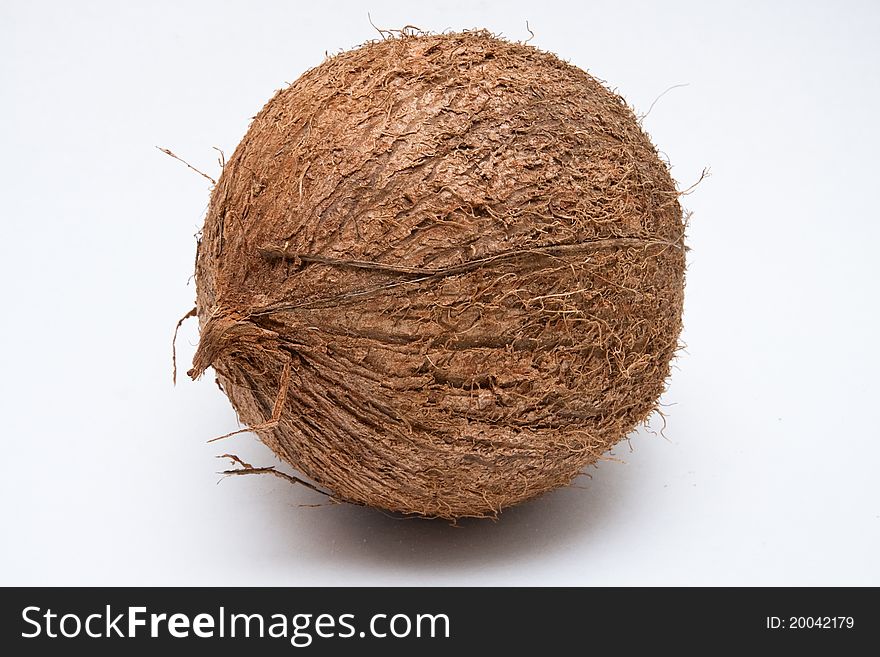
{"x":441,"y":274}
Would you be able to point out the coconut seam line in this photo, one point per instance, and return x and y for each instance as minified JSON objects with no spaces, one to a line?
{"x":441,"y":274}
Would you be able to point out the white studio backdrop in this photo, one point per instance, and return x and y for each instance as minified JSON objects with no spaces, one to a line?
{"x":766,"y":470}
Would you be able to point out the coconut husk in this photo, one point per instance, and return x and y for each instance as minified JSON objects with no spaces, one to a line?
{"x":441,"y":274}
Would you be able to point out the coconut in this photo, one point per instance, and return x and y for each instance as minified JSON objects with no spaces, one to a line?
{"x":441,"y":274}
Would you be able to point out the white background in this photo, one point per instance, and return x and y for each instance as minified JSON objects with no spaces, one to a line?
{"x":769,"y":470}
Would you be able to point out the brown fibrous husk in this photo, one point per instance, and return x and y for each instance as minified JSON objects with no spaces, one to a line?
{"x":441,"y":274}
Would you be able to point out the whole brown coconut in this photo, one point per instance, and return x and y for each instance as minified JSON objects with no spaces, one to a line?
{"x":441,"y":274}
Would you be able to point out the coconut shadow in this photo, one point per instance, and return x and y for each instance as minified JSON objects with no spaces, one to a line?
{"x":384,"y":545}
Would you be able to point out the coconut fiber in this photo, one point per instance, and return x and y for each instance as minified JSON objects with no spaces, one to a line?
{"x":441,"y":274}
